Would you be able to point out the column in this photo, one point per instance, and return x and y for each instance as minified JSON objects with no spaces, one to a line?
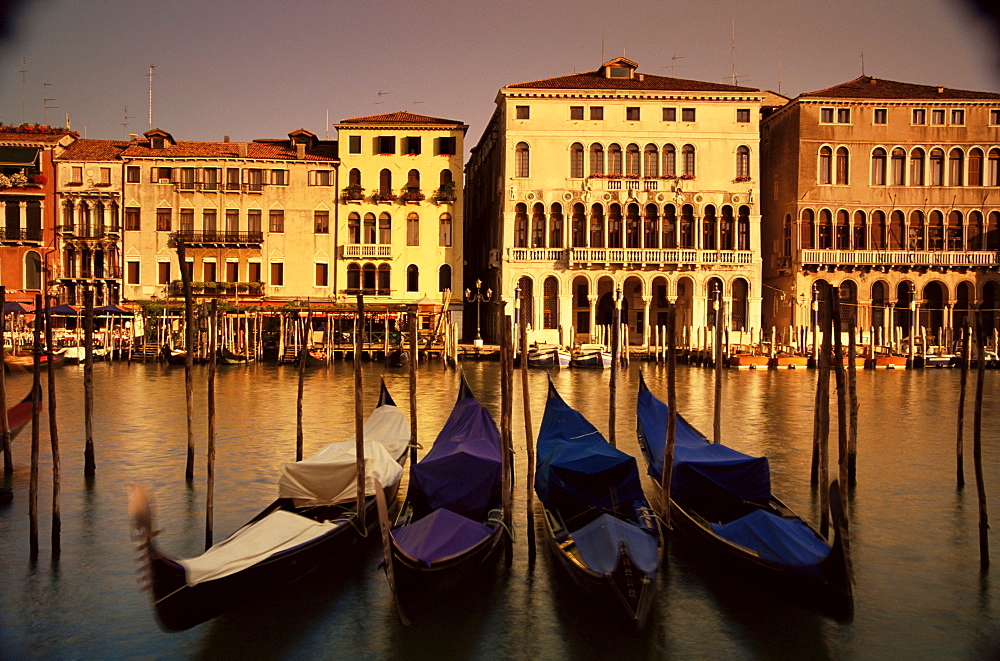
{"x":646,"y":321}
{"x":592,"y":302}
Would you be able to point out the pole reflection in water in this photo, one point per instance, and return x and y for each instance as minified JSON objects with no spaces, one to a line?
{"x":919,"y":592}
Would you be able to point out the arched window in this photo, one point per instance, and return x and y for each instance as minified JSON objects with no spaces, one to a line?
{"x":825,"y":229}
{"x":993,"y":231}
{"x":368,"y":278}
{"x":385,"y":184}
{"x":726,"y":229}
{"x":412,"y":278}
{"x":579,"y":229}
{"x":527,"y":298}
{"x":878,"y":167}
{"x":354,"y":228}
{"x":576,"y":161}
{"x":975,"y":230}
{"x":916,"y":230}
{"x":614,"y":159}
{"x":632,"y":237}
{"x":708,"y":222}
{"x":843,"y":166}
{"x":917,"y":167}
{"x":354,"y":177}
{"x":556,"y":226}
{"x":669,"y":227}
{"x":956,"y":167}
{"x":976,"y":167}
{"x":860,"y":242}
{"x":743,"y":229}
{"x":412,"y":229}
{"x":369,"y":229}
{"x":521,"y":159}
{"x":935,"y":231}
{"x":444,"y":233}
{"x":993,"y":168}
{"x":954,"y":231}
{"x":937,"y":167}
{"x":384,"y":228}
{"x":597,"y":226}
{"x":353,"y":277}
{"x":807,"y":229}
{"x":787,"y":243}
{"x":896,"y":230}
{"x":444,"y":277}
{"x":67,"y":215}
{"x":413,"y":181}
{"x":669,"y":160}
{"x":596,"y":159}
{"x":687,"y":226}
{"x":384,"y":279}
{"x":538,"y":225}
{"x":743,"y":163}
{"x":447,"y":178}
{"x":521,"y":225}
{"x":688,"y":153}
{"x":898,"y":167}
{"x":632,"y":160}
{"x":615,"y":226}
{"x":740,"y":305}
{"x":878,"y":230}
{"x":843,"y":231}
{"x":825,"y":175}
{"x":651,"y":232}
{"x":651,"y":166}
{"x":550,"y":303}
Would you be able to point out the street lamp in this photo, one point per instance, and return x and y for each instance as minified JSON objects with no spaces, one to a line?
{"x":478,"y":297}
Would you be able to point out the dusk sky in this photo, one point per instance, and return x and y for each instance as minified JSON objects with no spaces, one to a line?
{"x":261,"y":69}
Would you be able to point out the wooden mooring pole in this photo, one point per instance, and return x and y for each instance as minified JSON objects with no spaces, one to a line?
{"x":506,"y":436}
{"x":615,"y":365}
{"x":717,"y":419}
{"x":824,"y":412}
{"x":855,"y":405}
{"x":188,"y":358}
{"x":303,"y":331}
{"x":841,"y":380}
{"x":8,"y":460}
{"x":36,"y":390}
{"x":668,"y":450}
{"x":89,"y":460}
{"x":213,"y":340}
{"x":53,"y":429}
{"x":977,"y":443}
{"x":412,"y":327}
{"x":963,"y":382}
{"x":529,"y":445}
{"x":359,"y":414}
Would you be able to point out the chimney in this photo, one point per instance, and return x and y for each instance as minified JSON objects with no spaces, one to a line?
{"x":940,"y":90}
{"x":300,"y":151}
{"x":133,"y":138}
{"x":225,"y":138}
{"x":242,"y":149}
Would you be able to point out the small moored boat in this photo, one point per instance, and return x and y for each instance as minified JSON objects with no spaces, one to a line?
{"x":591,"y":355}
{"x":548,"y":356}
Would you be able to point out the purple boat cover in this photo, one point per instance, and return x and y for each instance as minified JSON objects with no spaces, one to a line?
{"x":784,"y":542}
{"x":439,"y":535}
{"x":599,"y":542}
{"x":462,"y":472}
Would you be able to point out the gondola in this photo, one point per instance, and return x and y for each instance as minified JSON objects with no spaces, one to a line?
{"x":19,"y":415}
{"x":548,"y":357}
{"x":598,"y":523}
{"x":721,"y":502}
{"x":591,"y":355}
{"x":313,"y":520}
{"x":22,"y":362}
{"x":174,"y":356}
{"x":229,"y":357}
{"x":449,"y":528}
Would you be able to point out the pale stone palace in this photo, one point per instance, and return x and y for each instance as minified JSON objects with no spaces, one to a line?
{"x":582,"y":188}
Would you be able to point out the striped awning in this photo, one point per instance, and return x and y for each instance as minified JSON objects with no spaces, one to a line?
{"x":19,"y":157}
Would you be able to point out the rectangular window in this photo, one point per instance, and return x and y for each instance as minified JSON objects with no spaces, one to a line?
{"x":994,"y":116}
{"x":597,"y":112}
{"x":687,"y":115}
{"x":163,"y":175}
{"x":133,"y":272}
{"x":163,"y":273}
{"x":212,"y":176}
{"x":232,"y":220}
{"x":843,"y":115}
{"x":105,"y":176}
{"x":276,"y":221}
{"x":386,"y":144}
{"x":881,"y":116}
{"x":826,"y":115}
{"x":132,"y":175}
{"x":958,"y":116}
{"x":354,"y":144}
{"x":279,"y":177}
{"x":670,"y":114}
{"x":187,"y":220}
{"x":742,"y":115}
{"x":277,"y":274}
{"x":321,"y":222}
{"x":232,"y":271}
{"x":937,"y":117}
{"x":413,"y":145}
{"x":254,"y":220}
{"x":576,"y":112}
{"x":76,"y":175}
{"x":322,"y":275}
{"x":232,"y":178}
{"x":208,"y":221}
{"x":163,"y":220}
{"x":321,"y":178}
{"x":208,"y":272}
{"x":919,"y":116}
{"x":446,"y":146}
{"x":253,"y":272}
{"x":523,"y":112}
{"x":632,"y":114}
{"x":132,"y":219}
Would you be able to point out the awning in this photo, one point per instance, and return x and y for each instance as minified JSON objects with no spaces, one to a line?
{"x":19,"y":157}
{"x":14,"y":306}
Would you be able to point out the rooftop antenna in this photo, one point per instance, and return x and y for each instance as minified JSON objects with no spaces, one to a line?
{"x":673,"y":63}
{"x":378,"y":104}
{"x":413,"y":109}
{"x":732,"y":52}
{"x":125,"y":121}
{"x":862,"y":63}
{"x":24,"y":73}
{"x":151,"y":67}
{"x":46,"y":108}
{"x":779,"y":65}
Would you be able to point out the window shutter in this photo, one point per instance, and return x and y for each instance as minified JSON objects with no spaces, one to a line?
{"x":175,"y":175}
{"x":312,"y":177}
{"x":199,"y":175}
{"x":152,"y":175}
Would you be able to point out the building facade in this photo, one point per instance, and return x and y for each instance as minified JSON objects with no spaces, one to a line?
{"x":401,"y":219}
{"x":889,"y":192}
{"x":613,"y":180}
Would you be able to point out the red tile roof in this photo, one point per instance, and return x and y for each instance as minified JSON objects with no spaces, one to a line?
{"x":401,"y":117}
{"x":22,"y":137}
{"x":93,"y":150}
{"x":867,"y":87}
{"x":595,"y":80}
{"x":281,"y":150}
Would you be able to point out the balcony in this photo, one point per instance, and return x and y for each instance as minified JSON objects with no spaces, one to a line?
{"x":219,"y":289}
{"x":367,"y":251}
{"x":220,"y":238}
{"x":87,"y":231}
{"x":634,"y":256}
{"x":21,"y":235}
{"x":892,"y":258}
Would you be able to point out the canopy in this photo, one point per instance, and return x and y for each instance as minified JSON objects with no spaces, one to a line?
{"x":59,"y":309}
{"x":784,"y":542}
{"x":330,"y":476}
{"x":579,"y":471}
{"x":702,"y":470}
{"x":599,"y":543}
{"x":14,"y":306}
{"x":462,"y":471}
{"x":439,"y":535}
{"x":112,"y":310}
{"x":18,"y":157}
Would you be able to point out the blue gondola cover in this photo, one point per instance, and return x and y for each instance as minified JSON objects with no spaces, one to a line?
{"x":783,"y":542}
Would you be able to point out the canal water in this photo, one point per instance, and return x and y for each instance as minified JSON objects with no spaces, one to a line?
{"x":919,"y":591}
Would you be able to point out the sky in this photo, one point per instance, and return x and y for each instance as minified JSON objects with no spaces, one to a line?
{"x":258,"y":69}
